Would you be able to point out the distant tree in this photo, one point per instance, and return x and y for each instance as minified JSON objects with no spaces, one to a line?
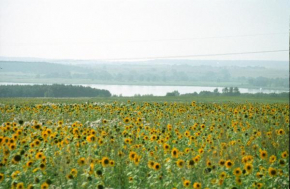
{"x":174,"y":93}
{"x":216,"y":91}
{"x":231,"y":91}
{"x":236,"y":91}
{"x":225,"y":90}
{"x":54,"y":90}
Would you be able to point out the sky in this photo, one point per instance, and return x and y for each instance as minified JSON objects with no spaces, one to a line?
{"x":144,"y":29}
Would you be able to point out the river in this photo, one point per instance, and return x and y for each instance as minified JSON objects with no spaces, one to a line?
{"x":131,"y":90}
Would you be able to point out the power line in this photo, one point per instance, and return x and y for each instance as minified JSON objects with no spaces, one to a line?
{"x":196,"y":55}
{"x":213,"y":37}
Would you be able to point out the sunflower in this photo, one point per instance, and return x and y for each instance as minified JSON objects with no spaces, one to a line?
{"x":100,"y":142}
{"x":174,"y":152}
{"x":180,"y":163}
{"x":39,"y":155}
{"x":229,"y":164}
{"x":132,"y":155}
{"x":259,"y":175}
{"x":282,"y":162}
{"x":81,"y":161}
{"x":223,"y":175}
{"x":280,"y":132}
{"x":69,"y":176}
{"x":166,"y":146}
{"x":105,"y":161}
{"x":74,"y":172}
{"x":44,"y":185}
{"x":137,"y":160}
{"x":17,"y":158}
{"x":20,"y":185}
{"x":249,"y":167}
{"x":186,"y":183}
{"x":208,"y":163}
{"x":42,"y":166}
{"x":15,"y":174}
{"x":151,"y":164}
{"x":193,"y":103}
{"x":197,"y":185}
{"x":272,"y":171}
{"x":191,"y":163}
{"x":112,"y":163}
{"x":259,"y":185}
{"x":237,"y":172}
{"x":91,"y":138}
{"x":263,"y":154}
{"x":284,"y":154}
{"x":1,"y":177}
{"x":29,"y":163}
{"x":272,"y":158}
{"x":156,"y":166}
{"x":222,"y":162}
{"x":12,"y":146}
{"x":238,"y":180}
{"x":201,"y":150}
{"x":126,"y":120}
{"x":36,"y":142}
{"x":30,"y":186}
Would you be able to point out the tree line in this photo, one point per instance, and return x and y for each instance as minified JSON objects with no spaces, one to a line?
{"x":55,"y":90}
{"x":229,"y":91}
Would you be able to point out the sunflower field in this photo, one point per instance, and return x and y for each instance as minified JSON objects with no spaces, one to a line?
{"x":144,"y":145}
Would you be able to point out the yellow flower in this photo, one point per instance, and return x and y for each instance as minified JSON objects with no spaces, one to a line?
{"x":229,"y":164}
{"x":238,"y":180}
{"x":39,"y":155}
{"x":132,"y":156}
{"x":272,"y":158}
{"x":249,"y":167}
{"x":263,"y":154}
{"x":105,"y":161}
{"x":186,"y":183}
{"x":284,"y":154}
{"x":272,"y":171}
{"x":81,"y":161}
{"x":174,"y":152}
{"x":197,"y":185}
{"x":74,"y":172}
{"x":156,"y":166}
{"x":20,"y":185}
{"x":1,"y":177}
{"x":180,"y":163}
{"x":91,"y":138}
{"x":44,"y":185}
{"x":15,"y":174}
{"x":237,"y":171}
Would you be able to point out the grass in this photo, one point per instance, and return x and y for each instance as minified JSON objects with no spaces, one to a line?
{"x":219,"y":99}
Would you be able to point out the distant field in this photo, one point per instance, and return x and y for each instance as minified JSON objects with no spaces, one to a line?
{"x":218,"y":99}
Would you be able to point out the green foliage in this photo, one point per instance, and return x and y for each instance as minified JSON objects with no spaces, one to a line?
{"x":174,"y":93}
{"x":55,"y":90}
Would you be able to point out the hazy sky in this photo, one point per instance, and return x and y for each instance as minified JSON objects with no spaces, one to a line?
{"x":112,"y":29}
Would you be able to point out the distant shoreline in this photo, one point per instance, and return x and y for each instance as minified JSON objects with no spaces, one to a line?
{"x":204,"y":84}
